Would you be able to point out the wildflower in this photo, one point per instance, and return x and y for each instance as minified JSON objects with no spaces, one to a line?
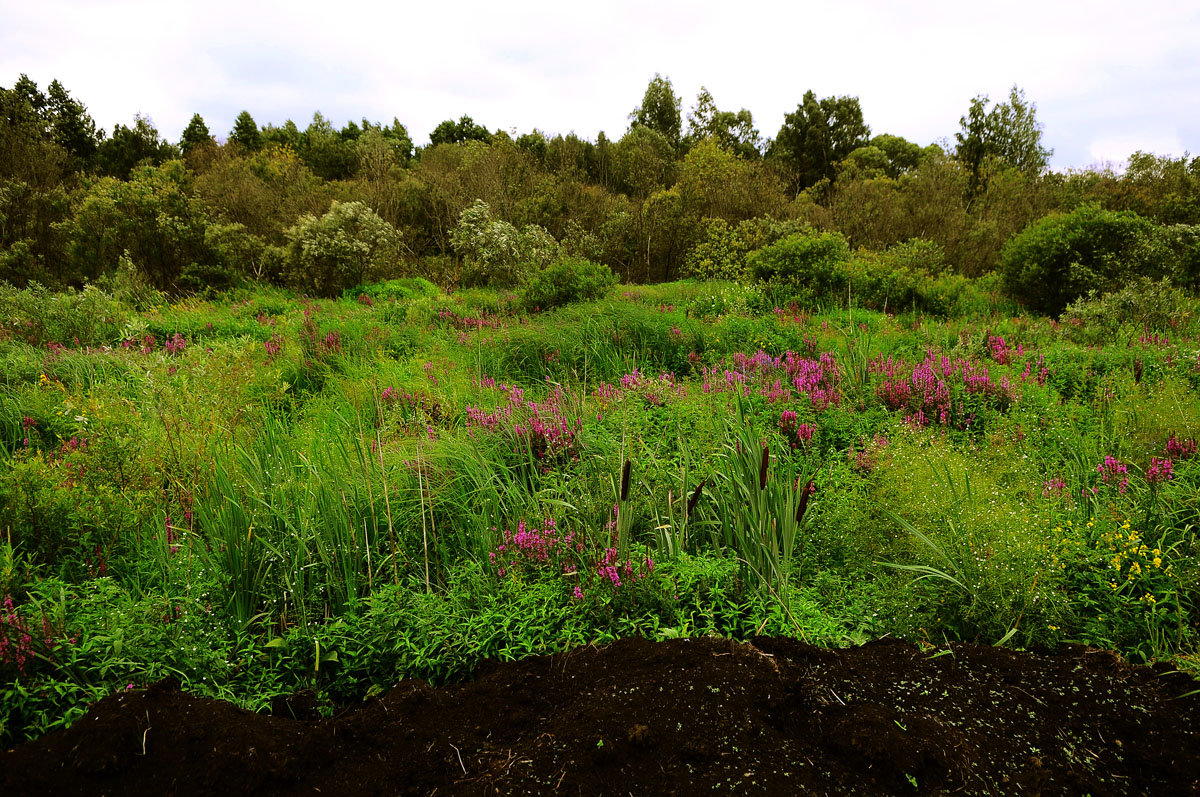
{"x":1180,"y":449}
{"x":1112,"y":467}
{"x":1159,"y":470}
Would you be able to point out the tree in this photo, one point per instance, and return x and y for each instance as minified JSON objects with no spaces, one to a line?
{"x":396,"y":136}
{"x":465,"y":129}
{"x":643,"y":161}
{"x":731,"y":131}
{"x":496,"y":253}
{"x":195,"y":134}
{"x":902,"y":155}
{"x":286,"y":136}
{"x":245,"y":132}
{"x":265,"y":192}
{"x":660,"y":110}
{"x":816,"y":136}
{"x":1061,"y":257}
{"x":128,"y":147}
{"x":151,"y":219}
{"x":330,"y":155}
{"x":345,"y":247}
{"x":1008,"y":134}
{"x":715,"y":183}
{"x":36,"y":119}
{"x":72,"y":128}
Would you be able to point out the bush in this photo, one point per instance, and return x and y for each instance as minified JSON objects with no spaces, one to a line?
{"x":571,"y":279}
{"x":496,"y":253}
{"x":917,"y":255}
{"x":1143,"y":306}
{"x":347,"y":246}
{"x":719,"y":254}
{"x":812,"y":263}
{"x":152,"y":220}
{"x":1183,"y":241}
{"x":405,"y":289}
{"x":1061,"y":257}
{"x":86,"y":318}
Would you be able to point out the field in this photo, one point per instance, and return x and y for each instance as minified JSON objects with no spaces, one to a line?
{"x":264,"y":495}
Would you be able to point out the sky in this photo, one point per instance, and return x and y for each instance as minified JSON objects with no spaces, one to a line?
{"x":1107,"y":80}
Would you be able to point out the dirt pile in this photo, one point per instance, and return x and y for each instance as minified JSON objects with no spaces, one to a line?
{"x":678,"y":717}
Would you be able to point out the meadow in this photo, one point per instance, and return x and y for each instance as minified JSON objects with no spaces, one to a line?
{"x":259,"y":493}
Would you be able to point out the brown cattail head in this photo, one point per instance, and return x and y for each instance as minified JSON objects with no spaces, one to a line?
{"x":691,"y":504}
{"x":762,"y":467}
{"x":625,"y":481}
{"x":808,"y":490}
{"x":1137,"y":371}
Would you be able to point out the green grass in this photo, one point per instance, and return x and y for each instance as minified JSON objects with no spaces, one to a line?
{"x":336,"y":494}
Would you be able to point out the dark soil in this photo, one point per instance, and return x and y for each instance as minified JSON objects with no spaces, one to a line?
{"x":679,"y":717}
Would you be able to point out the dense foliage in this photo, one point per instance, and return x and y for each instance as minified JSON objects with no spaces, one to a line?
{"x":674,"y":195}
{"x":313,"y":408}
{"x":267,"y":492}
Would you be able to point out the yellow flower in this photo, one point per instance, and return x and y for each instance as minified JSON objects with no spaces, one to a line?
{"x":1158,"y":561}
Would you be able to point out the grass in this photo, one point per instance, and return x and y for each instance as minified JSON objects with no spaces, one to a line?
{"x":310,"y":494}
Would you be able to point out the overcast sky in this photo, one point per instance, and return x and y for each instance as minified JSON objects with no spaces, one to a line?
{"x":1108,"y":78}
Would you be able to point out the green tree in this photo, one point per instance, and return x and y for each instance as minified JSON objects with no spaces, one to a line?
{"x":265,"y":192}
{"x":395,"y":136}
{"x":731,"y":131}
{"x":465,"y":129}
{"x":330,"y":155}
{"x":150,"y":217}
{"x":902,"y":155}
{"x":1008,"y":134}
{"x":643,"y":161}
{"x":660,"y":110}
{"x":72,"y":128}
{"x":245,"y":132}
{"x":288,"y":135}
{"x":1061,"y":257}
{"x":344,"y":248}
{"x":195,"y":134}
{"x":715,"y":183}
{"x":129,"y":147}
{"x":816,"y":136}
{"x":496,"y":253}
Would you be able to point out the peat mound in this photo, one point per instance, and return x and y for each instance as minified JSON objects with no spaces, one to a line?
{"x":771,"y":716}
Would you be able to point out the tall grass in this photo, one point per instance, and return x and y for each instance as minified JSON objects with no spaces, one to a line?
{"x":760,"y":507}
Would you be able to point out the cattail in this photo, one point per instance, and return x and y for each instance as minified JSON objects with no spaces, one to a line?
{"x":808,"y":490}
{"x":1137,"y":371}
{"x":625,"y":481}
{"x":691,"y":504}
{"x":762,"y":468}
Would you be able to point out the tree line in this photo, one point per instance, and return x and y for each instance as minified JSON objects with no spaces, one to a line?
{"x":675,"y":195}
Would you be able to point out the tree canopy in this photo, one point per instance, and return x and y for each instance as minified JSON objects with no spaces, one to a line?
{"x":816,"y":136}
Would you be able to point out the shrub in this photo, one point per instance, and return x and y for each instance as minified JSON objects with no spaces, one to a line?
{"x":151,"y":219}
{"x":719,"y":254}
{"x":1144,"y":305}
{"x":1183,"y":241}
{"x":405,"y":289}
{"x":346,"y":247}
{"x":86,"y":318}
{"x":917,"y":255}
{"x":496,"y":253}
{"x":571,"y":279}
{"x":813,"y":263}
{"x":1061,"y":257}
